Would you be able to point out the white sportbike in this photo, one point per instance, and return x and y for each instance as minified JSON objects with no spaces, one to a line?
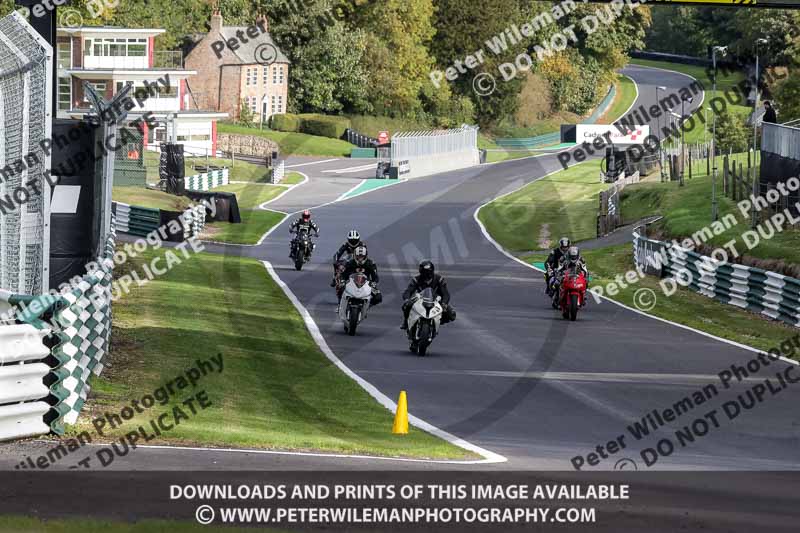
{"x":424,"y":320}
{"x":355,"y":302}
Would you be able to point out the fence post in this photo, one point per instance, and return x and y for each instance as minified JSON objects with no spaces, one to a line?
{"x":690,"y":164}
{"x":755,"y":192}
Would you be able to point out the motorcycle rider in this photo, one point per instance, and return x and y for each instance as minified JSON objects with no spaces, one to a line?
{"x":428,"y":278}
{"x":304,"y":222}
{"x":553,"y":261}
{"x":346,"y":250}
{"x":572,"y":259}
{"x":362,"y":264}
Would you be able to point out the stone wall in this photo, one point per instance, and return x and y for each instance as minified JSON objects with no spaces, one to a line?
{"x":246,"y":144}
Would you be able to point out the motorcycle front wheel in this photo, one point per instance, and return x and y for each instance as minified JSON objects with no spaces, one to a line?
{"x":298,"y":263}
{"x":352,"y":322}
{"x":573,"y":307}
{"x":424,"y":334}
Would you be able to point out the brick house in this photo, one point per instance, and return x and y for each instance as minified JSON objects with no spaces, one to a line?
{"x":229,"y":71}
{"x":109,"y":58}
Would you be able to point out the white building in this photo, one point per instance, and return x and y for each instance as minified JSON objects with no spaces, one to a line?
{"x":109,"y":58}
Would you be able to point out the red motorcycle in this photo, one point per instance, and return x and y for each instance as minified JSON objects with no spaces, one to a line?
{"x":572,"y":293}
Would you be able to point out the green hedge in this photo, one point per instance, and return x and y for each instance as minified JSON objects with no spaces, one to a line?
{"x":286,"y":122}
{"x":313,"y":124}
{"x":332,"y":127}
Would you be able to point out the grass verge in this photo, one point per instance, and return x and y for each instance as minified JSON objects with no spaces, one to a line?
{"x":294,"y":143}
{"x":141,"y":197}
{"x":252,"y":195}
{"x":537,"y":215}
{"x":255,"y":223}
{"x":277,"y":389}
{"x":625,"y":96}
{"x":292,"y":178}
{"x":687,"y":210}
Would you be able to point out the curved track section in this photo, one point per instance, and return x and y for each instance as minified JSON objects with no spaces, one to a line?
{"x":509,"y":375}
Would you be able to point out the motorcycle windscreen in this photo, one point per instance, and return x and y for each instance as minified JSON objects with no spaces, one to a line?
{"x":427,"y":297}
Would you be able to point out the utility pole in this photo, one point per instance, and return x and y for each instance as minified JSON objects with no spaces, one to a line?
{"x":714,"y":206}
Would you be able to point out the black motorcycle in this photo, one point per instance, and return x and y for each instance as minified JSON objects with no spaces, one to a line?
{"x":302,"y":246}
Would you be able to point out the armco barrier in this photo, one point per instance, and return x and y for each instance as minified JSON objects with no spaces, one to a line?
{"x":22,"y":381}
{"x":767,"y":293}
{"x":136,"y":220}
{"x":23,"y":420}
{"x":207,"y":180}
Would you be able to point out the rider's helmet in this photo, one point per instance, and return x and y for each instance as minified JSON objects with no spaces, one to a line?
{"x":573,"y":254}
{"x":306,"y":215}
{"x":360,"y":255}
{"x":426,"y":271}
{"x":564,"y":244}
{"x":353,"y":238}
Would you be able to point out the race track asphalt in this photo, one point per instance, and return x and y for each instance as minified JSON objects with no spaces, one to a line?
{"x":509,"y":375}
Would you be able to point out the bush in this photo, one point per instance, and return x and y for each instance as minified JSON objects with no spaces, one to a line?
{"x":313,"y":124}
{"x":732,"y":133}
{"x":324,"y":126}
{"x":245,"y":114}
{"x":285,"y":122}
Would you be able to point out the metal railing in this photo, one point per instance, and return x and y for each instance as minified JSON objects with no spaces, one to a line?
{"x":411,"y":144}
{"x":781,"y":140}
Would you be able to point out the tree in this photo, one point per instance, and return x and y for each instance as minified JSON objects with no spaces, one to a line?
{"x":787,"y":95}
{"x":246,"y":115}
{"x":397,"y":34}
{"x":328,"y":73}
{"x":732,"y":132}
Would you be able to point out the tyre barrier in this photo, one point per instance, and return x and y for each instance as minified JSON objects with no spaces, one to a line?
{"x":759,"y":291}
{"x":142,"y":221}
{"x":207,"y":180}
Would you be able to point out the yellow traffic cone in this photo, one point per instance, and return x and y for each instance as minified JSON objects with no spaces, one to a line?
{"x":400,"y":426}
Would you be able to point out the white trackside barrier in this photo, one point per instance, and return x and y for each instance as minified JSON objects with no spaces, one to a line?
{"x":22,"y":342}
{"x":22,"y":383}
{"x":422,"y":153}
{"x":23,"y":420}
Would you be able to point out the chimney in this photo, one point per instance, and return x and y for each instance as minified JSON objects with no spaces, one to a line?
{"x":262,"y":22}
{"x":216,"y":21}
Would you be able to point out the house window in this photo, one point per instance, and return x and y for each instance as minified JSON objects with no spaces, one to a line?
{"x":274,"y":74}
{"x":265,"y":75}
{"x":65,"y":55}
{"x":247,"y":77}
{"x":65,"y":93}
{"x":253,"y":104}
{"x":280,"y":74}
{"x":116,"y":47}
{"x":137,"y":47}
{"x":280,"y":104}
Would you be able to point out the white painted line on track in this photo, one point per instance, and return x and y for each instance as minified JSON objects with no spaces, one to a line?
{"x":348,"y":191}
{"x":313,"y":163}
{"x":520,"y":261}
{"x":313,"y":329}
{"x":351,"y":170}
